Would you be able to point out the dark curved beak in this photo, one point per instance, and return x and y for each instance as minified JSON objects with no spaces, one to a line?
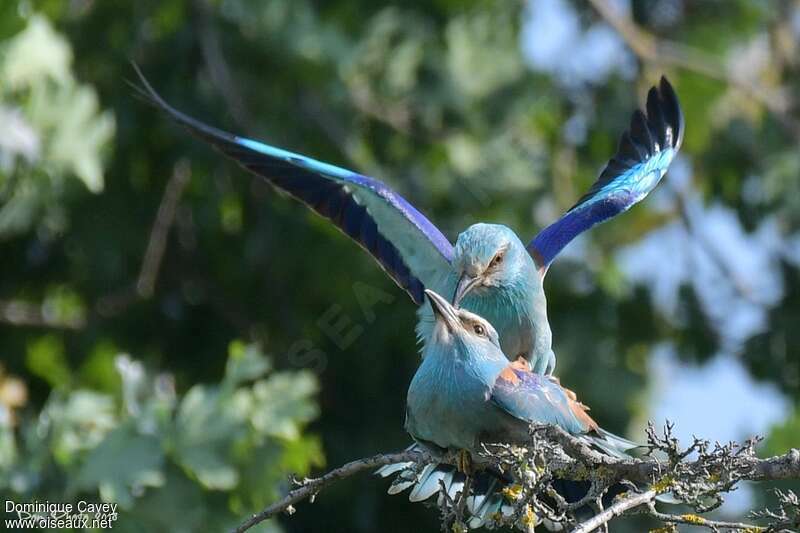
{"x":465,"y":284}
{"x":443,"y":311}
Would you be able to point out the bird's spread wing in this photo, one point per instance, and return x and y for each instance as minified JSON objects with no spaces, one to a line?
{"x":645,"y":151}
{"x":539,"y":399}
{"x":405,"y":243}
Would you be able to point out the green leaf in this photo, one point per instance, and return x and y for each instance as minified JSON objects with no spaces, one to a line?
{"x":231,"y":213}
{"x":483,"y":38}
{"x":45,"y":358}
{"x":284,"y":403}
{"x":118,"y":479}
{"x":75,"y":130}
{"x":246,"y":362}
{"x":98,"y":370}
{"x":63,"y":305}
{"x":783,"y":437}
{"x":302,"y":454}
{"x":8,"y":446}
{"x":36,"y":54}
{"x":204,"y":434}
{"x":78,"y":422}
{"x":177,"y":506}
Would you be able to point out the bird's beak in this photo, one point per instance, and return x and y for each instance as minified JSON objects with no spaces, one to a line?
{"x":443,"y":311}
{"x":465,"y":284}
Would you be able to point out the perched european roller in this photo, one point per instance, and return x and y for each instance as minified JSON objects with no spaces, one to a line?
{"x":489,"y":271}
{"x":466,"y":393}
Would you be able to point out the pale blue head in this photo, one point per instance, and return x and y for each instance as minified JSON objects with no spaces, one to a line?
{"x":460,"y":333}
{"x":490,"y":256}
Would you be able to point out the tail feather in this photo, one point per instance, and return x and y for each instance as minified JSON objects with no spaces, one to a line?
{"x":406,"y":473}
{"x":429,"y":482}
{"x":477,"y":499}
{"x":483,"y":504}
{"x":388,"y":470}
{"x":486,"y":498}
{"x":454,"y":483}
{"x":404,"y":480}
{"x":491,"y":504}
{"x":614,"y":445}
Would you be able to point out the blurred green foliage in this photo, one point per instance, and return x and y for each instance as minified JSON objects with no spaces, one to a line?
{"x":436,"y":98}
{"x":53,"y":126}
{"x":213,"y":453}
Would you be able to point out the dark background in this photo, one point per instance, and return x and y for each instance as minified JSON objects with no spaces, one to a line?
{"x":475,"y":111}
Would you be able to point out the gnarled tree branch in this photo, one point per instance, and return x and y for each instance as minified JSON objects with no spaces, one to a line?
{"x":309,"y":488}
{"x":553,"y":453}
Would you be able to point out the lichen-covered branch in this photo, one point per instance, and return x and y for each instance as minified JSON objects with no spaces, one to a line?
{"x":697,"y":476}
{"x":620,"y":507}
{"x":309,"y":488}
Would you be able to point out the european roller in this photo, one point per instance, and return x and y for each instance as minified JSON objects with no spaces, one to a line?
{"x":467,"y":393}
{"x":490,"y":270}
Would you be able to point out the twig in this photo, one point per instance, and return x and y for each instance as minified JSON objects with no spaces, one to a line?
{"x":309,"y":488}
{"x":21,"y":313}
{"x":716,"y":470}
{"x":786,"y":466}
{"x":617,"y":509}
{"x":784,"y":516}
{"x":161,"y":226}
{"x":699,"y":521}
{"x":650,"y":49}
{"x":218,"y":66}
{"x":117,"y":301}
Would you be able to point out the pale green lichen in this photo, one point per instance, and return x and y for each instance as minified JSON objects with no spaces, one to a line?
{"x":670,"y":528}
{"x":529,"y":519}
{"x":458,"y":527}
{"x":693,"y":519}
{"x":663,"y":485}
{"x":513,"y":492}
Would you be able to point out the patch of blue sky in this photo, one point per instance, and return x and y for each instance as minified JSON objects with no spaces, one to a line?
{"x":553,"y":41}
{"x":717,"y":401}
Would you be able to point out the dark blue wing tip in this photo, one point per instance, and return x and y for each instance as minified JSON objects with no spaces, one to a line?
{"x":656,"y":130}
{"x":660,"y":126}
{"x":673,"y":110}
{"x":292,"y":173}
{"x":146,"y":91}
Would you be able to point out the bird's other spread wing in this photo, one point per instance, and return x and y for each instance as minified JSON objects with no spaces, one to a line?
{"x":645,"y":151}
{"x":538,"y":399}
{"x":406,"y":244}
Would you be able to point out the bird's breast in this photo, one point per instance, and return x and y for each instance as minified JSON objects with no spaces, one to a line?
{"x":518,"y":313}
{"x":447,"y":405}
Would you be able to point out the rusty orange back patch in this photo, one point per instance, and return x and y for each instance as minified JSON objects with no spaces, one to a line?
{"x":579,"y":410}
{"x":521,"y":364}
{"x":509,"y":375}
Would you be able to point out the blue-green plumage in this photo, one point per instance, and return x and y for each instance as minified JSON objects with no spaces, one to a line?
{"x":644,"y":154}
{"x":466,"y":393}
{"x":509,"y":295}
{"x":489,"y":271}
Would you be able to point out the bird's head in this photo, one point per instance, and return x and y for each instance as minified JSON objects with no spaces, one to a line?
{"x":487,"y":256}
{"x":461,"y":330}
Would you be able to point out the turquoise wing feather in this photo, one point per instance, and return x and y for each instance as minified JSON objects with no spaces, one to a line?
{"x":644,"y":154}
{"x":412,"y":251}
{"x":537,"y":399}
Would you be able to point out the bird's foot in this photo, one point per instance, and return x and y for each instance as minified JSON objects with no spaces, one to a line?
{"x":464,"y":462}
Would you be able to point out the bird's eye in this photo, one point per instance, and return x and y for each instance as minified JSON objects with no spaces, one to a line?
{"x":479,"y":330}
{"x":497,"y":259}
